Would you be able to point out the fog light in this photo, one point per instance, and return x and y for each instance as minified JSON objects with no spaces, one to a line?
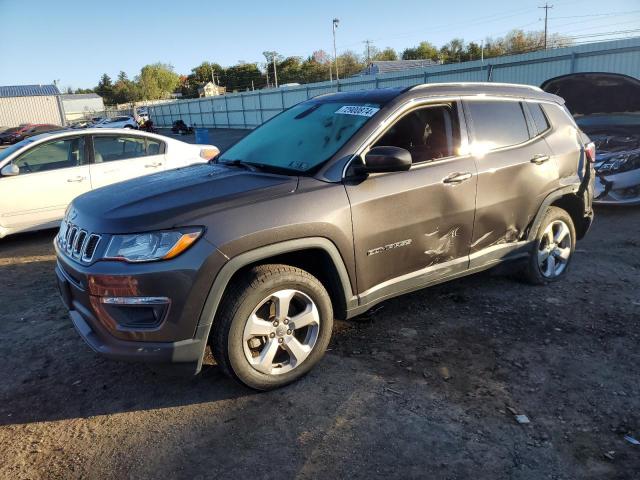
{"x":135,"y":313}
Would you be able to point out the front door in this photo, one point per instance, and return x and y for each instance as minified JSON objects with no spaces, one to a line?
{"x":121,"y":157}
{"x":413,"y":227}
{"x":51,"y":175}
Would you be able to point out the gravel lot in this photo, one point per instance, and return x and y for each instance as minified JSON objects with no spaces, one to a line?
{"x":425,"y":387}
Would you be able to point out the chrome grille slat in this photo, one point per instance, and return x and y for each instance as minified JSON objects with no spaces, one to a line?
{"x":77,"y":243}
{"x":90,"y":248}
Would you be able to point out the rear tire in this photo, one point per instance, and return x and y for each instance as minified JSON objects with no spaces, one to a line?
{"x":273,"y":326}
{"x":553,"y":248}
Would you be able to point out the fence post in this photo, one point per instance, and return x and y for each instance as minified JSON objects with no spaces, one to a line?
{"x":244,"y":117}
{"x":226,"y":108}
{"x":574,"y":57}
{"x":426,"y":77}
{"x":260,"y":107}
{"x":213,"y":112}
{"x":200,"y":110}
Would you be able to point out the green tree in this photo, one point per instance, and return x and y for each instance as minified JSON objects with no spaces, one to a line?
{"x":105,"y":89}
{"x":157,"y":80}
{"x":452,"y":51}
{"x":349,"y":64}
{"x":240,"y":77}
{"x":472,"y":52}
{"x":423,"y":51}
{"x":124,"y":90}
{"x":386,"y":54}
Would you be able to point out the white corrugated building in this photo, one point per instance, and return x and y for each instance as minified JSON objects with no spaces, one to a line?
{"x":30,"y":104}
{"x":81,"y":105}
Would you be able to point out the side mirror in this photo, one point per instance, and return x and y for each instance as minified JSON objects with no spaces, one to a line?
{"x":386,"y":159}
{"x":10,"y":170}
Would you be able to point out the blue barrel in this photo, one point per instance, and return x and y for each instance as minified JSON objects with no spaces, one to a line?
{"x":202,"y":135}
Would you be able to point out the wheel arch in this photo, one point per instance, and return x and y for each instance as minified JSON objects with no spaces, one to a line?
{"x":569,"y":199}
{"x":317,"y":255}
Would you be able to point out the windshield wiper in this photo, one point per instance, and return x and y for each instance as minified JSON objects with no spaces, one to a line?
{"x":240,"y":163}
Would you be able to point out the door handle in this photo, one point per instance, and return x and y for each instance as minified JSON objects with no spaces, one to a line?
{"x":539,"y":158}
{"x":456,"y":178}
{"x":153,"y":165}
{"x":79,"y":178}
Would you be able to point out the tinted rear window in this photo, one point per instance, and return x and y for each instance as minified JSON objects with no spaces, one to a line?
{"x":539,"y":119}
{"x":498,"y":123}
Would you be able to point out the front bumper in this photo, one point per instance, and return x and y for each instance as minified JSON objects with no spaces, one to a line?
{"x":180,"y":337}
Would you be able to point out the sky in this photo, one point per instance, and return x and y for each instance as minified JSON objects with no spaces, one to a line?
{"x":74,"y":42}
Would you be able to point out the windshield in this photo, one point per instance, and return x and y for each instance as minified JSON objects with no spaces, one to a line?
{"x":13,"y":148}
{"x":303,"y":137}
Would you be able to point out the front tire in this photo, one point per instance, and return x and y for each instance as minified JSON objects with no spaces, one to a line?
{"x":553,"y":248}
{"x":274,"y":325}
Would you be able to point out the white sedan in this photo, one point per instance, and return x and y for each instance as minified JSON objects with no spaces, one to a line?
{"x":117,"y":122}
{"x":40,"y":175}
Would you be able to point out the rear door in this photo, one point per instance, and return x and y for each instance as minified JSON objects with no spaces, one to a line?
{"x":51,"y":175}
{"x":121,"y":157}
{"x":415,"y":226}
{"x":516,"y":171}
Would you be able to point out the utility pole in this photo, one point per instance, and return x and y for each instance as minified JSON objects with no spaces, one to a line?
{"x":275,"y":73}
{"x":336,"y":21}
{"x":482,"y":51}
{"x":212,"y":77}
{"x":368,"y":44}
{"x":546,"y":17}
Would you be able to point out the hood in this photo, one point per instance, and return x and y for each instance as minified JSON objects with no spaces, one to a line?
{"x":178,"y":197}
{"x":591,"y":93}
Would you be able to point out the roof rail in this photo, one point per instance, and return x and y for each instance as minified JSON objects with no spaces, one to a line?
{"x":497,"y":84}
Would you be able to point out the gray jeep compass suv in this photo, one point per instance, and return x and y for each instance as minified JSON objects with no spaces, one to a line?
{"x":329,"y":208}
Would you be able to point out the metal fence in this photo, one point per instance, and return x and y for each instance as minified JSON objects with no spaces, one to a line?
{"x":250,"y":109}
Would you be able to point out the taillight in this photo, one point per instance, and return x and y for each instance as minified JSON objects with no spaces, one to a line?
{"x":590,"y":151}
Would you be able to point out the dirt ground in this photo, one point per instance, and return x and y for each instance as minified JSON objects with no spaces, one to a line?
{"x":425,"y":387}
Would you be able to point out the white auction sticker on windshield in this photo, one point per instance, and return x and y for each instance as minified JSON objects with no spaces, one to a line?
{"x":357,"y":110}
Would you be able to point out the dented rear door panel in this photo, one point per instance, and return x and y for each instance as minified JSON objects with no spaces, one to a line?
{"x":412,"y":223}
{"x":511,"y":188}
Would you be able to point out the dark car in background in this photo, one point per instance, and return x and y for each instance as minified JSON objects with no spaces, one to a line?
{"x":14,"y":135}
{"x":606,"y":106}
{"x":9,"y":135}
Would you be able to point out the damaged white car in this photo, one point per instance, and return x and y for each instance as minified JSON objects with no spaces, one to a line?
{"x":606,"y":106}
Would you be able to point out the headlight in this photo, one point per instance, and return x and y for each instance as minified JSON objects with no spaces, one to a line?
{"x":620,"y":163}
{"x":146,"y":247}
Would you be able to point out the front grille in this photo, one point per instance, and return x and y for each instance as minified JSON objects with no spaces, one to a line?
{"x":78,"y":243}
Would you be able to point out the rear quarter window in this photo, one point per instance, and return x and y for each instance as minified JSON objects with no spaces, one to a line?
{"x":539,"y":119}
{"x":498,"y":123}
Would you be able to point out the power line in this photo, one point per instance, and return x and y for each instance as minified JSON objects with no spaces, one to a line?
{"x":613,"y":14}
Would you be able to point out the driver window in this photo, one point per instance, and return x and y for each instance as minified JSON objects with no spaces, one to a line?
{"x":52,"y":156}
{"x":428,"y":133}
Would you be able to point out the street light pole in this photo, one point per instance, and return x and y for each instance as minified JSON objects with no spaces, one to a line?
{"x":336,"y":21}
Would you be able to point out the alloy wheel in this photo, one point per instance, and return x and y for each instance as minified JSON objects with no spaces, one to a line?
{"x":281,"y":332}
{"x":554,"y":249}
